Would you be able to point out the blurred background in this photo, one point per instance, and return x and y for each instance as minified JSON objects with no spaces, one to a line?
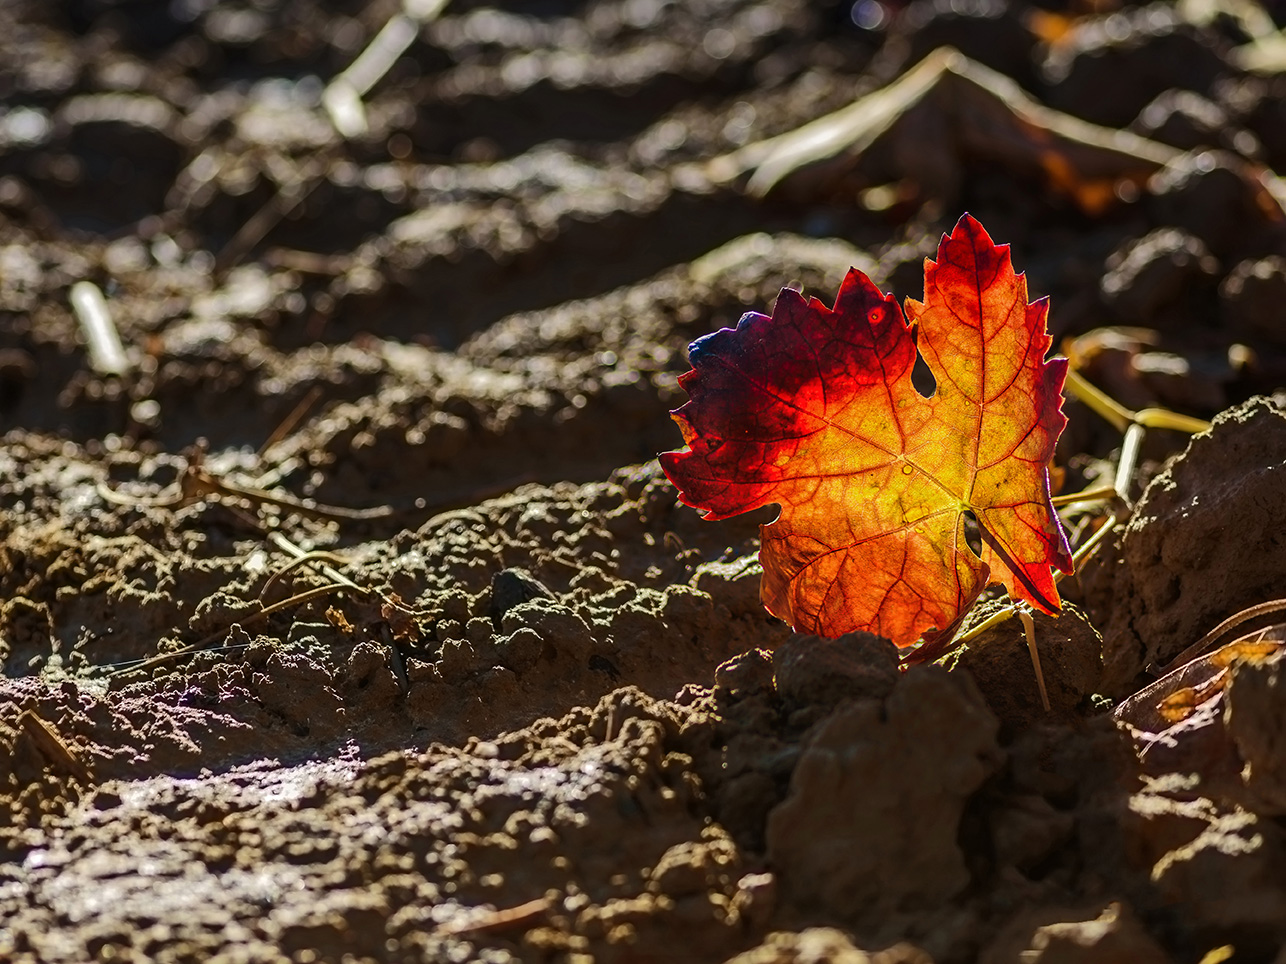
{"x":283,"y":202}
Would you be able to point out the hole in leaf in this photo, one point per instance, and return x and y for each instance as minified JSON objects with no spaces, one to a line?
{"x":922,"y":377}
{"x":971,"y":533}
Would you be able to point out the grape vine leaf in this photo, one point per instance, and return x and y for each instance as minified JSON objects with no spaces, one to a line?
{"x":813,"y":408}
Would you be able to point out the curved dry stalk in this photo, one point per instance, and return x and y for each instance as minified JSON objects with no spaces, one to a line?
{"x":1207,"y":642}
{"x":287,"y":424}
{"x":200,"y":644}
{"x":995,"y":619}
{"x":305,"y":559}
{"x":195,"y":484}
{"x":1099,"y":493}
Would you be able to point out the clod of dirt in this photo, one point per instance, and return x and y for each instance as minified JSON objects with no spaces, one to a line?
{"x":1199,"y":744}
{"x":300,"y":691}
{"x":840,"y":839}
{"x":817,"y":944}
{"x":999,"y":662}
{"x":1195,"y":382}
{"x":1112,"y":936}
{"x":109,"y":161}
{"x":1182,"y":723}
{"x":1252,"y":297}
{"x":1063,"y":792}
{"x":1266,"y":117}
{"x":1110,"y":67}
{"x":1256,"y":720}
{"x":590,"y":824}
{"x":993,"y":34}
{"x":733,"y":583}
{"x":812,"y":669}
{"x":1221,"y":864}
{"x":1145,"y":277}
{"x":745,"y":674}
{"x":1188,"y":121}
{"x":1213,"y":196}
{"x":1202,"y":545}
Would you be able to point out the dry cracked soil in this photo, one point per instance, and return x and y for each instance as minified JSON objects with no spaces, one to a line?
{"x":345,"y":614}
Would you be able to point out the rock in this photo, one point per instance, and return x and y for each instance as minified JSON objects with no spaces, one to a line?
{"x":1203,"y":544}
{"x":511,"y":587}
{"x":841,"y":841}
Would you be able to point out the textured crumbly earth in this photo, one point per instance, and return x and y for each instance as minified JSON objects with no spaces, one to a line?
{"x":527,"y":707}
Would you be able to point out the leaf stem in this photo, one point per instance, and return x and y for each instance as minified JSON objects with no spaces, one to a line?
{"x":1029,"y":630}
{"x":1089,"y":545}
{"x":1121,"y":417}
{"x":995,"y":619}
{"x":1164,"y":418}
{"x":1128,"y":461}
{"x":1113,"y":411}
{"x":1096,"y":494}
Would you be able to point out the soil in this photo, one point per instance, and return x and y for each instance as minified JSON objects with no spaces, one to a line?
{"x":345,"y":613}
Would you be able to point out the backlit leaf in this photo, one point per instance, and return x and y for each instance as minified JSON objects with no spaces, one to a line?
{"x":814,"y":409}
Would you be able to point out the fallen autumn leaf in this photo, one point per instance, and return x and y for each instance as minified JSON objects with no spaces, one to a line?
{"x":813,"y":408}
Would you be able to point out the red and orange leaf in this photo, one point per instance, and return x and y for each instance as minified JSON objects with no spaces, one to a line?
{"x":814,"y":409}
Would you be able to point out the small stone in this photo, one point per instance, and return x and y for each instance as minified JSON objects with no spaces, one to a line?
{"x":512,"y":587}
